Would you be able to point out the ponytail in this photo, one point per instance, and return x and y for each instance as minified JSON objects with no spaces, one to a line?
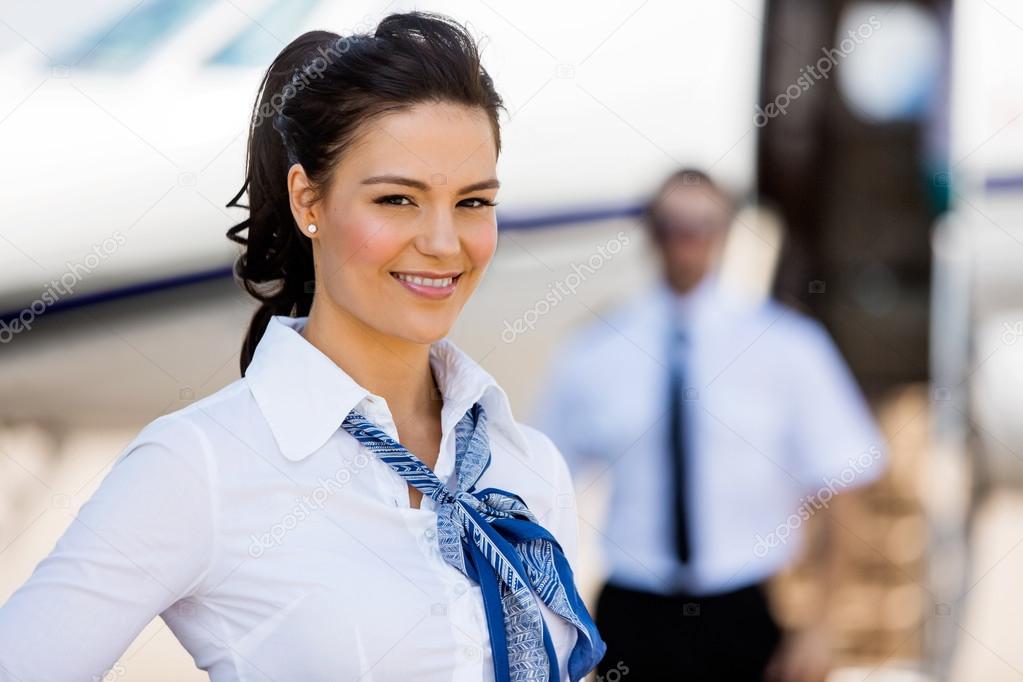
{"x":276,"y":264}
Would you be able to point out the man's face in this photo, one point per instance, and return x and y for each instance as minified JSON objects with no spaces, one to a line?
{"x":690,"y":224}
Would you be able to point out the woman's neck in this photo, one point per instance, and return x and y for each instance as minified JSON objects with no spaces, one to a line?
{"x":395,"y":369}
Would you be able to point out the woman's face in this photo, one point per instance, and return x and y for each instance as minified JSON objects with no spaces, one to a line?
{"x":406,"y":229}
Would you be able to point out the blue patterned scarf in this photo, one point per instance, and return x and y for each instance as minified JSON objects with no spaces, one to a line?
{"x":493,"y":539}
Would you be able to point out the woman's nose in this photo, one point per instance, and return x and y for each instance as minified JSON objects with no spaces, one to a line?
{"x":439,"y":236}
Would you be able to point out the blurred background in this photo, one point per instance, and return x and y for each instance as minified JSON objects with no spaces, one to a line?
{"x":884,"y":197}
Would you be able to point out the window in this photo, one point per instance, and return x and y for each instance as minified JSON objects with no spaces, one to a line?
{"x":131,"y":37}
{"x":260,"y":41}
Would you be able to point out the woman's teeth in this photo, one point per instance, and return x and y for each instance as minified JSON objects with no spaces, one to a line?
{"x":425,"y":281}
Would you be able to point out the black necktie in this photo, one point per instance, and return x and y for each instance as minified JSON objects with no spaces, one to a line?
{"x":676,"y":441}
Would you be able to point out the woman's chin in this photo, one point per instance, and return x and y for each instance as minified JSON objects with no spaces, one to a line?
{"x":421,"y":331}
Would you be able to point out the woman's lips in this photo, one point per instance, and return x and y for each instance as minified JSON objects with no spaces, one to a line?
{"x":436,"y":287}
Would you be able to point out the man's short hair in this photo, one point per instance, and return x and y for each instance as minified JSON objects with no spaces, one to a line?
{"x":690,"y":177}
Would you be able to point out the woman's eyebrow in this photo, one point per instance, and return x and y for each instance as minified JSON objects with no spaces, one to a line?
{"x":492,"y":183}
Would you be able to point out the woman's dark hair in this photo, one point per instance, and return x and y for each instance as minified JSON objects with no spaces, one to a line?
{"x":311,"y":104}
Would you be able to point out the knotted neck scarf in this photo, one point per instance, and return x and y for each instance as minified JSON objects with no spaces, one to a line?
{"x":495,"y":541}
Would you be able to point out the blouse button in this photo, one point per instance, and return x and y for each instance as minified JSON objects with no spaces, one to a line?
{"x":430,"y":533}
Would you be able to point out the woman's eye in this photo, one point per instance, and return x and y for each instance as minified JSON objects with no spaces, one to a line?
{"x":480,"y":202}
{"x":395,"y":200}
{"x":403,"y":200}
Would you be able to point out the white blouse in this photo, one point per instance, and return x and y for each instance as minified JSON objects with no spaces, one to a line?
{"x":273,"y":545}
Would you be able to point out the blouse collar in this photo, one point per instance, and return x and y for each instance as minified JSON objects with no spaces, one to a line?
{"x":305,"y":395}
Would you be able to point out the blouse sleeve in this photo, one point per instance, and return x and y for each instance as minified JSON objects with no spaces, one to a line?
{"x":141,"y":542}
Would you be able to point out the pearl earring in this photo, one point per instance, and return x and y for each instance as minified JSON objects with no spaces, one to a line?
{"x":311,"y":228}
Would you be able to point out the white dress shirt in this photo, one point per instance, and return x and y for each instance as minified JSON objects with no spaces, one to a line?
{"x":273,"y":545}
{"x":773,"y":419}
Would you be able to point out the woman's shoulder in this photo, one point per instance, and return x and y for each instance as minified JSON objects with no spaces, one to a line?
{"x":545,"y":459}
{"x":554,"y":486}
{"x":187,"y":432}
{"x":539,"y":442}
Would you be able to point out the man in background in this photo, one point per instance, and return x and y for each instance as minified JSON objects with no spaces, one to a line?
{"x":720,"y":425}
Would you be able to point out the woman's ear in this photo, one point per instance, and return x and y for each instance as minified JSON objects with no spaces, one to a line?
{"x":302,"y":196}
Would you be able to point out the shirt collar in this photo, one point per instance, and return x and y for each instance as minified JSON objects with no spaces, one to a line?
{"x":687,"y":307}
{"x":305,"y":396}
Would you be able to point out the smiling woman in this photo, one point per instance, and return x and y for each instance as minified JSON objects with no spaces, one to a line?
{"x":282,"y":527}
{"x":406,"y":227}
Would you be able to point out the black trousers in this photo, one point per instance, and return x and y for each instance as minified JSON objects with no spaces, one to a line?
{"x":725,"y":637}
